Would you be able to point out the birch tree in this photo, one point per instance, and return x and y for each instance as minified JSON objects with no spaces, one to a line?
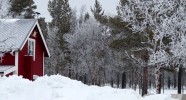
{"x":153,"y":18}
{"x":85,"y":45}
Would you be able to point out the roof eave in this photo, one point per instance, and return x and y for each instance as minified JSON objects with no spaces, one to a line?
{"x":39,"y":28}
{"x":46,"y":47}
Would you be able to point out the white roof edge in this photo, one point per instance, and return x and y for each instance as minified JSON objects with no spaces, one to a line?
{"x":40,"y":32}
{"x":27,"y":36}
{"x":46,"y":47}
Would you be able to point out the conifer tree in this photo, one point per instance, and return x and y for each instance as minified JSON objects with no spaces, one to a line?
{"x":61,"y":13}
{"x":22,"y":8}
{"x":87,"y":16}
{"x":128,"y":42}
{"x":43,"y":26}
{"x":98,"y":12}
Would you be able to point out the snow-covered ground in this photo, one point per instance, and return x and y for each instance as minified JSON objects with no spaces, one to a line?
{"x":61,"y":88}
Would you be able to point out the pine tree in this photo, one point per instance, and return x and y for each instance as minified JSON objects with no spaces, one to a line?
{"x":98,"y":12}
{"x":128,"y":42}
{"x":43,"y":26}
{"x":61,"y":13}
{"x":22,"y":8}
{"x":87,"y":16}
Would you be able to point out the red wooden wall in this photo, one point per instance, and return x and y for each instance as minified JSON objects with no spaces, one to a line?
{"x":8,"y":59}
{"x":37,"y":64}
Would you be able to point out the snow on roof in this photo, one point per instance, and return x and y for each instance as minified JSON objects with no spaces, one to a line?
{"x":13,"y":32}
{"x":4,"y":68}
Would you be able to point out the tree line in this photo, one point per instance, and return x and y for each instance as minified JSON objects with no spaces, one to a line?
{"x":142,"y":46}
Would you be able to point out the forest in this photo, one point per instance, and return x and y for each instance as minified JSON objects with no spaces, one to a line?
{"x":141,"y":47}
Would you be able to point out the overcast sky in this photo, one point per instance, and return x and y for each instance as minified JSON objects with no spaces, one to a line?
{"x":108,"y":5}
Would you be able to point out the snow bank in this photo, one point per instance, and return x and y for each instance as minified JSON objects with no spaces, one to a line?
{"x":61,"y":88}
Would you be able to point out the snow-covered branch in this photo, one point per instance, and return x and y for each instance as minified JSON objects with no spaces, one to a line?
{"x":165,"y":18}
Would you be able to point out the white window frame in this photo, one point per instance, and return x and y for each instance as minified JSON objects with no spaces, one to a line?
{"x":32,"y":40}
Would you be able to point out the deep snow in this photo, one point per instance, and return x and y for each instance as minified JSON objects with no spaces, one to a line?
{"x":61,"y":88}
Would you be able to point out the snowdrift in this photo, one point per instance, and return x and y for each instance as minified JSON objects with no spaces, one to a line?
{"x":61,"y":88}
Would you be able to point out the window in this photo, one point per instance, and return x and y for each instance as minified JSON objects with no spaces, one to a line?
{"x":31,"y":47}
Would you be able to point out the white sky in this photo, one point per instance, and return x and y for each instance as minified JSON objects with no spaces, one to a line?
{"x":108,"y":5}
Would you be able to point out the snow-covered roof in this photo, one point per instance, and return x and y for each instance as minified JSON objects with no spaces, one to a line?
{"x":15,"y":32}
{"x":4,"y":68}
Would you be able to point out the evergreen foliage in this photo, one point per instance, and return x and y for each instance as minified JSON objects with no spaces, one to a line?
{"x":43,"y":26}
{"x":87,"y":16}
{"x":61,"y":13}
{"x":22,"y":8}
{"x":99,"y":13}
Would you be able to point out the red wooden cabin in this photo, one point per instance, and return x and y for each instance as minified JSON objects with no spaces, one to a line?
{"x":26,"y":48}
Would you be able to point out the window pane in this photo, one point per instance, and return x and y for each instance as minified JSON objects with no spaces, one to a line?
{"x":30,"y":48}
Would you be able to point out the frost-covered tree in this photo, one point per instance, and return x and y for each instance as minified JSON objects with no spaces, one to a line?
{"x":4,"y":8}
{"x":61,"y":13}
{"x":52,"y":63}
{"x":154,"y":18}
{"x":118,"y":31}
{"x":91,"y":56}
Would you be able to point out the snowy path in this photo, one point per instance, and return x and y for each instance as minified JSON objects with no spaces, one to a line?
{"x":62,"y":88}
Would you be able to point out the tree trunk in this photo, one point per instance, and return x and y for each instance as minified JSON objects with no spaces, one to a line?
{"x":145,"y":73}
{"x":182,"y":84}
{"x":104,"y":77}
{"x":85,"y":79}
{"x":150,"y":83}
{"x":157,"y":80}
{"x":175,"y":79}
{"x":140,"y":84}
{"x":81,"y":78}
{"x":118,"y":80}
{"x":93,"y":81}
{"x":135,"y":79}
{"x":132,"y":78}
{"x":123,"y":80}
{"x":145,"y":81}
{"x":76,"y":76}
{"x":99,"y":81}
{"x":69,"y":72}
{"x":163,"y":84}
{"x":168,"y":84}
{"x":112,"y":82}
{"x":179,"y":79}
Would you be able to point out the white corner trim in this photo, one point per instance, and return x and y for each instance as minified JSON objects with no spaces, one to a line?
{"x":39,"y":28}
{"x":16,"y":63}
{"x":35,"y":77}
{"x":43,"y":63}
